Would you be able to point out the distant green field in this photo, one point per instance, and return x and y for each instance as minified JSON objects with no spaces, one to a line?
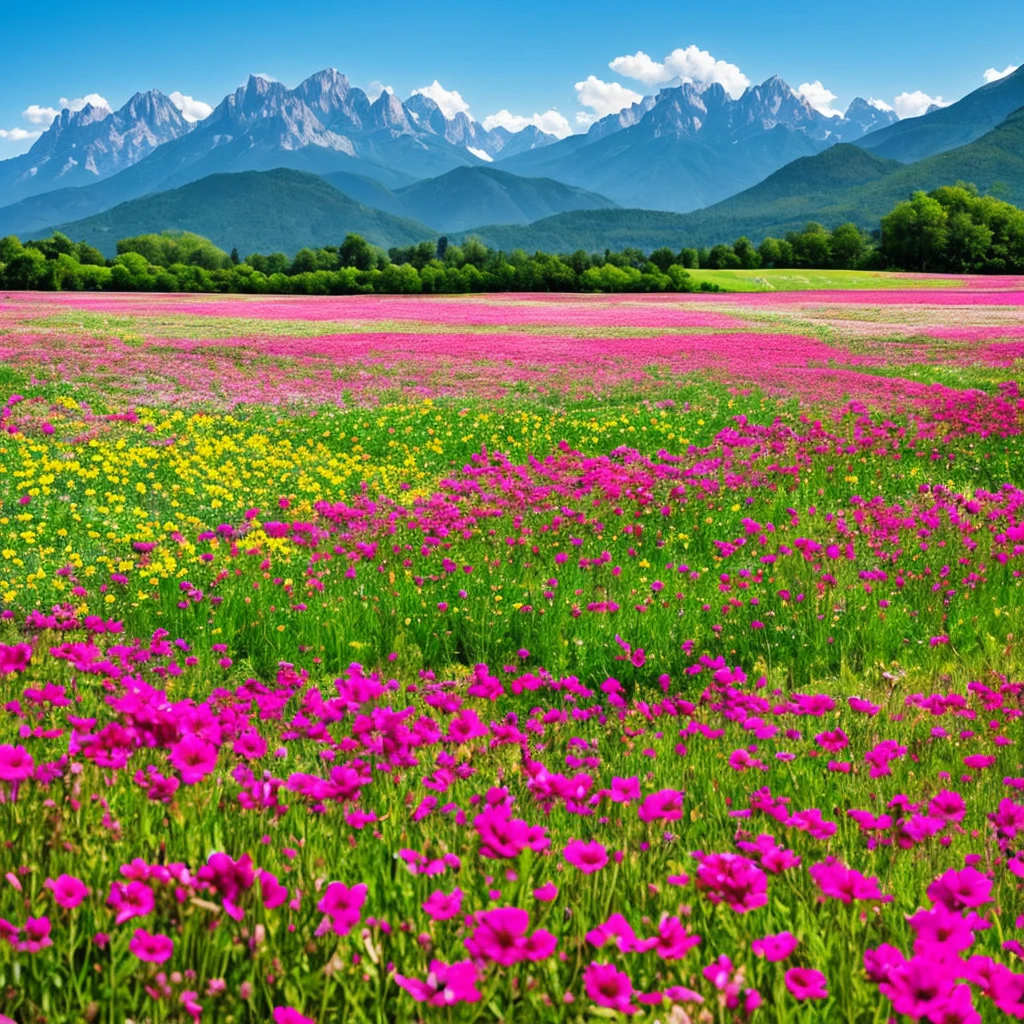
{"x":802,"y":280}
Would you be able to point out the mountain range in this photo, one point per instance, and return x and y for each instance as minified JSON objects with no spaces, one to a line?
{"x":841,"y":184}
{"x":756,"y":164}
{"x":680,"y":150}
{"x":689,"y":147}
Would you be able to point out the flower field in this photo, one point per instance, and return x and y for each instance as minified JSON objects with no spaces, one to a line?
{"x":512,"y":658}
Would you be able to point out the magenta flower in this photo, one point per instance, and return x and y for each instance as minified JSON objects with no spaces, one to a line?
{"x":16,"y":763}
{"x":664,"y":805}
{"x":961,"y":890}
{"x":287,"y":1015}
{"x":14,"y":658}
{"x":343,"y":905}
{"x":502,"y":836}
{"x":37,"y":935}
{"x":674,"y":941}
{"x":194,"y":758}
{"x":132,"y":899}
{"x":609,"y":987}
{"x":546,"y":893}
{"x":839,"y":882}
{"x":586,"y":857}
{"x":624,"y":791}
{"x":734,"y":880}
{"x":271,"y":890}
{"x":152,"y":948}
{"x":918,"y":987}
{"x":442,"y":907}
{"x":774,"y":947}
{"x":67,"y":890}
{"x":445,"y":984}
{"x":806,"y":983}
{"x":501,"y":936}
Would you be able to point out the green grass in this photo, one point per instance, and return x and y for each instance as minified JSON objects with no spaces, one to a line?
{"x":812,"y":280}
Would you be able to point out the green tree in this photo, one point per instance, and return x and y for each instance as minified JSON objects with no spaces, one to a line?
{"x":663,"y":258}
{"x":688,"y":258}
{"x":25,"y":269}
{"x":967,"y":244}
{"x":721,"y":257}
{"x":746,"y":253}
{"x":914,"y":234}
{"x":846,"y":246}
{"x":811,"y":247}
{"x":356,"y":252}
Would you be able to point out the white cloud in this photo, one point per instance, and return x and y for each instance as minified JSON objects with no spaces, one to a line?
{"x":916,"y":103}
{"x":191,"y":109}
{"x":375,"y":88}
{"x":93,"y":98}
{"x":992,"y":75}
{"x":450,"y":101}
{"x":35,"y":114}
{"x":264,"y":76}
{"x":551,"y":121}
{"x":605,"y":98}
{"x":481,"y":154}
{"x":642,"y":68}
{"x":820,"y":98}
{"x":18,"y":134}
{"x":691,"y":64}
{"x":880,"y":104}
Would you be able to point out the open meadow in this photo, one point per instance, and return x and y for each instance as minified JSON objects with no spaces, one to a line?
{"x":513,"y":657}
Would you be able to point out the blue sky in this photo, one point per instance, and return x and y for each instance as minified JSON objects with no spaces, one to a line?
{"x":524,"y":58}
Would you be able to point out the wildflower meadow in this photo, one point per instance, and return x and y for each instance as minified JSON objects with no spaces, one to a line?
{"x":513,"y":658}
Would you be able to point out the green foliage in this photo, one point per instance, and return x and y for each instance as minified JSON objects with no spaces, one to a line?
{"x":172,"y":247}
{"x":952,"y":229}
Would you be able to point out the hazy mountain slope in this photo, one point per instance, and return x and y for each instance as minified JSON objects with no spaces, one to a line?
{"x":268,"y":211}
{"x":962,"y":122}
{"x":844,"y":183}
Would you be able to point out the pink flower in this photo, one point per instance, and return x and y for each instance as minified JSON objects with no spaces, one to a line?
{"x":286,"y":1015}
{"x":734,"y":880}
{"x":37,"y":935}
{"x":806,"y":983}
{"x":501,"y":936}
{"x":67,"y":890}
{"x":16,"y":763}
{"x":14,"y":658}
{"x":960,"y":890}
{"x":917,"y":987}
{"x":152,"y":948}
{"x":624,"y":791}
{"x":546,"y":893}
{"x":442,"y":907}
{"x":343,"y":905}
{"x":674,"y":941}
{"x":774,"y":947}
{"x":587,"y":857}
{"x":134,"y":899}
{"x":272,"y":891}
{"x":838,"y":881}
{"x":664,"y":805}
{"x":609,"y":987}
{"x":445,"y":984}
{"x":502,"y":836}
{"x":194,"y":758}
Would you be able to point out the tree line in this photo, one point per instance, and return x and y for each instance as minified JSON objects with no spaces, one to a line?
{"x":953,"y":229}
